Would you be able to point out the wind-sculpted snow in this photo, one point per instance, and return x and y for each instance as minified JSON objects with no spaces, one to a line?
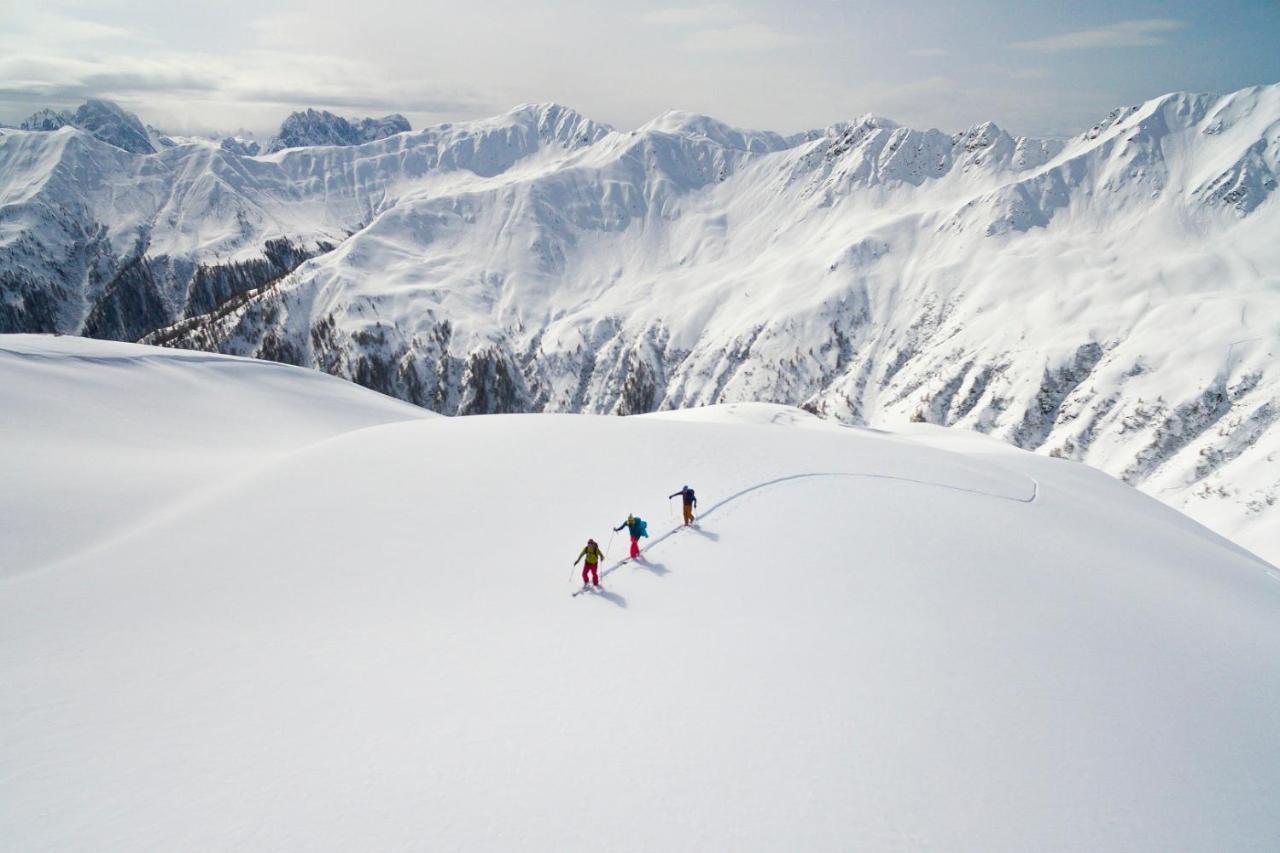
{"x":1081,"y":297}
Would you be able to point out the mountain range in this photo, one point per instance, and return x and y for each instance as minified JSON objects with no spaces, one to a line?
{"x":1111,"y":298}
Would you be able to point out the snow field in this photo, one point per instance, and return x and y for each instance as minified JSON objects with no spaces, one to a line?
{"x":368,"y":641}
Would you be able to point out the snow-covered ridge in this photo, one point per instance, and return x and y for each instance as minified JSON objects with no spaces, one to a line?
{"x":1111,"y":298}
{"x":339,"y":623}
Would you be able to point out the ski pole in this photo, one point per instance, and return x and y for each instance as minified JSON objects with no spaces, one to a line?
{"x":670,"y":512}
{"x":610,"y":545}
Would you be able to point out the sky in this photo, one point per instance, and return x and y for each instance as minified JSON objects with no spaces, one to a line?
{"x":1047,"y":69}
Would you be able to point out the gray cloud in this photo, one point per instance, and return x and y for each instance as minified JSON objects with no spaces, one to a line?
{"x":132,"y":82}
{"x":1140,"y":33}
{"x":294,"y":98}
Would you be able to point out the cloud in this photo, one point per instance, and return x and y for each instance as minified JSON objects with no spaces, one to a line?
{"x":929,"y":51}
{"x":29,"y":22}
{"x":720,"y":28}
{"x":711,"y":13}
{"x":910,"y":99}
{"x":1140,"y":33}
{"x":741,"y":38}
{"x":63,"y":79}
{"x":195,"y":90}
{"x":319,"y":96}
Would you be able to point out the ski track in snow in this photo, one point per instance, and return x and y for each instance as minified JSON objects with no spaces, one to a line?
{"x":1035,"y":493}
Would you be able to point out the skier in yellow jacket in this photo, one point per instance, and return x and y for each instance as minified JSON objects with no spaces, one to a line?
{"x":593,"y":555}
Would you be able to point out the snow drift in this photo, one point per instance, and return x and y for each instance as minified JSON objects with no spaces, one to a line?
{"x":365,"y":638}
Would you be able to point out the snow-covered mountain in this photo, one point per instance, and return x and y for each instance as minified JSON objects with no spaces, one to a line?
{"x":312,"y":128}
{"x":242,"y":147}
{"x":105,"y":121}
{"x":249,"y":607}
{"x":1114,"y":298}
{"x":45,"y":120}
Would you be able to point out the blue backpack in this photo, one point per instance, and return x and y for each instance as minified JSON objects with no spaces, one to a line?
{"x":642,"y":527}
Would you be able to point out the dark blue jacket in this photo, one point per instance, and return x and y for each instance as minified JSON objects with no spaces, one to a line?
{"x":687,"y":495}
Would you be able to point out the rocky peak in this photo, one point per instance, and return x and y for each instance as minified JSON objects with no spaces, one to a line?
{"x":46,"y":120}
{"x":311,"y":127}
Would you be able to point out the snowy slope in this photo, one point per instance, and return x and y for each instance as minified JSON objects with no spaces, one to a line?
{"x":872,"y":641}
{"x":1111,"y":298}
{"x":99,"y":438}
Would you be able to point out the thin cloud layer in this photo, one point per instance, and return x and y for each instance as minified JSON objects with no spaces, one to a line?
{"x":709,"y":13}
{"x":1144,"y":33}
{"x":747,"y":36}
{"x":785,"y":66}
{"x":720,"y":28}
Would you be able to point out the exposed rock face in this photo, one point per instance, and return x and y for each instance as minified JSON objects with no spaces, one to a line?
{"x":47,"y":120}
{"x":241,"y":147}
{"x":320,"y":127}
{"x":105,"y":120}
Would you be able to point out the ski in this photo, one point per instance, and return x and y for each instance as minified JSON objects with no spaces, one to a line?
{"x":579,"y":592}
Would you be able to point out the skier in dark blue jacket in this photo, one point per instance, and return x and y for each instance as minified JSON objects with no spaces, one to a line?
{"x":690,"y":500}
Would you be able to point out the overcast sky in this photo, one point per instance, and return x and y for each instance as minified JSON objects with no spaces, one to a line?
{"x":1044,"y":69}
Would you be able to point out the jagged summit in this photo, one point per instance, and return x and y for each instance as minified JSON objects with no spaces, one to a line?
{"x":113,"y":124}
{"x":105,"y":120}
{"x":241,"y":147}
{"x":309,"y":128}
{"x":47,"y":120}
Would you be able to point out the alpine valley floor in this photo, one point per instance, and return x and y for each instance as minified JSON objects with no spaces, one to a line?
{"x":247,"y":606}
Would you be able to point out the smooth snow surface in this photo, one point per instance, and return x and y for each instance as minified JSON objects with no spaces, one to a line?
{"x":100,"y":436}
{"x":367,"y":641}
